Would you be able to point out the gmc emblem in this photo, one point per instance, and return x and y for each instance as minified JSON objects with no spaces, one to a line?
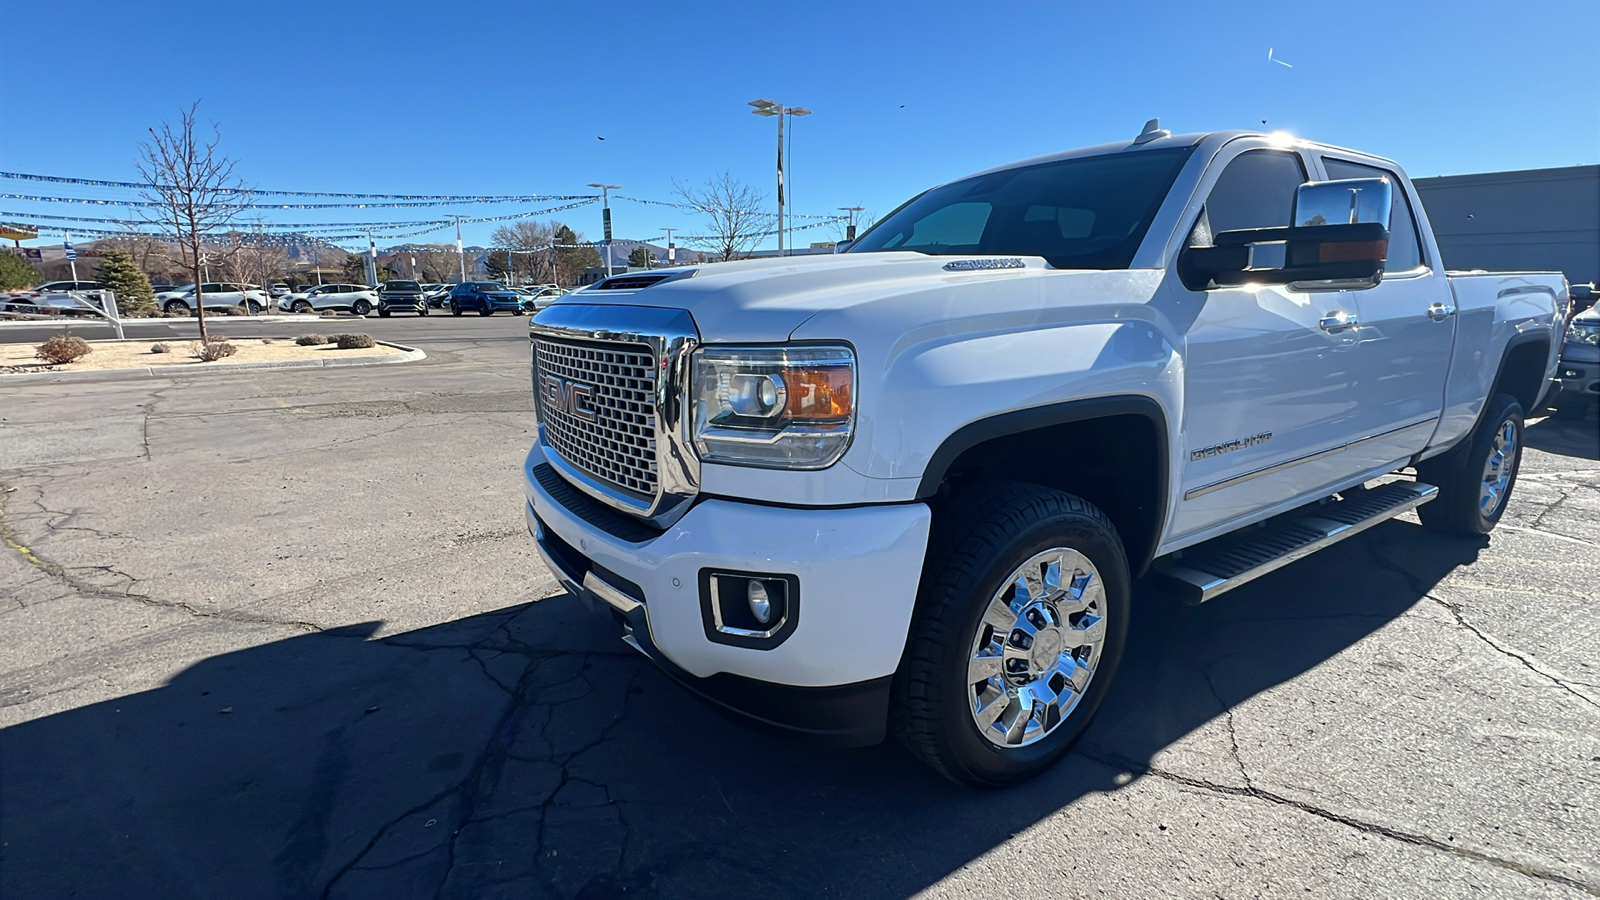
{"x":566,"y":396}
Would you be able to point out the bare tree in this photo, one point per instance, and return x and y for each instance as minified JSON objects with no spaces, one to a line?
{"x":736,"y":212}
{"x":194,"y":192}
{"x":531,"y":241}
{"x":248,"y":259}
{"x":437,"y":265}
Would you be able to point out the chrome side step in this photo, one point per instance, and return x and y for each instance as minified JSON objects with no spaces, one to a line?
{"x":1221,"y":564}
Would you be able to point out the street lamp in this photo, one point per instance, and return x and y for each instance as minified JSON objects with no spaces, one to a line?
{"x":769,"y":109}
{"x":850,"y":230}
{"x":605,"y":215}
{"x":672,"y":251}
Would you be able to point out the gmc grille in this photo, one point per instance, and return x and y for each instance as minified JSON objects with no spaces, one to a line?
{"x":607,"y":427}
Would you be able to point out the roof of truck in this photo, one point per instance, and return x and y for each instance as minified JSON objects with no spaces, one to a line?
{"x":1174,"y":141}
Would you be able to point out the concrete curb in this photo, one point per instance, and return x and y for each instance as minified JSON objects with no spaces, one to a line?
{"x":406,"y":354}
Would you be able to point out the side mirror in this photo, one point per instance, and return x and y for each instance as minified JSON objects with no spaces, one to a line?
{"x":842,"y":246}
{"x":1339,"y":240}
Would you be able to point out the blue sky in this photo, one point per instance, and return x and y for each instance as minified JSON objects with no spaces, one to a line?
{"x":509,"y":98}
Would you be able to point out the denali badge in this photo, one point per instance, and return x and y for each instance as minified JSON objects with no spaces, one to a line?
{"x":569,"y":397}
{"x":1230,"y":446}
{"x":972,"y":265}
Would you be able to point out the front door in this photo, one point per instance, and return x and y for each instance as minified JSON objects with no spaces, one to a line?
{"x":1269,"y":388}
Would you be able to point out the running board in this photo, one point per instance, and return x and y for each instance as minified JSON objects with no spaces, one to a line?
{"x":1221,"y":564}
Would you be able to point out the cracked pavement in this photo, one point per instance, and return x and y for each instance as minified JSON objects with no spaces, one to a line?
{"x":283,"y":634}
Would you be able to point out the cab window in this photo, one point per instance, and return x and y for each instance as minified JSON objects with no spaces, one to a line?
{"x":1256,"y":190}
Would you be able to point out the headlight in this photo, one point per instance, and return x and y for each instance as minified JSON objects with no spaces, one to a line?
{"x":778,"y":407}
{"x":1583,"y":333}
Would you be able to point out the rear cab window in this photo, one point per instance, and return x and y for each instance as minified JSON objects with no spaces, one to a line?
{"x":1405,"y":247}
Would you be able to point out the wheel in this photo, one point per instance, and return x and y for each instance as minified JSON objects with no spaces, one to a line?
{"x":1019,"y":626}
{"x":485,"y":310}
{"x":254,"y":307}
{"x":517,"y":311}
{"x":302,"y":306}
{"x":383,"y":312}
{"x":176,"y":308}
{"x":422,"y":310}
{"x":1475,"y":480}
{"x":455,"y":308}
{"x":361,"y":307}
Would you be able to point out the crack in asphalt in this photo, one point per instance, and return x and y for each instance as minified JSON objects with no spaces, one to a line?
{"x":1372,"y":828}
{"x":1456,"y":613}
{"x":1227,"y":721}
{"x":69,"y":577}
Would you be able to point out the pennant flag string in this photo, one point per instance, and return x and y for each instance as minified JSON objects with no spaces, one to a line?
{"x":454,"y":198}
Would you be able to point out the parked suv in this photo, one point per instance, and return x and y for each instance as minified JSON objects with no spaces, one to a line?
{"x":907,"y":489}
{"x":487,"y":297}
{"x":401,"y":296}
{"x":358,"y":298}
{"x":217,"y":295}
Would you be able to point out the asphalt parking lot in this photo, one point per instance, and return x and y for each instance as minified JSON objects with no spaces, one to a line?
{"x":283,"y":634}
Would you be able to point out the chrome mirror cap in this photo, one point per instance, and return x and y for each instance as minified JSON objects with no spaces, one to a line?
{"x":1350,"y":201}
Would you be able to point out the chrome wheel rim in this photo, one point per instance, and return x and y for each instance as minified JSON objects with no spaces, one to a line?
{"x":1036,"y":648}
{"x":1498,"y":469}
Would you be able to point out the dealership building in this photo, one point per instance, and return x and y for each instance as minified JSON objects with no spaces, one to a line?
{"x":1536,"y":219}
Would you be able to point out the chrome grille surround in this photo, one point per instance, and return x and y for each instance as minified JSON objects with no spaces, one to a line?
{"x":612,"y":420}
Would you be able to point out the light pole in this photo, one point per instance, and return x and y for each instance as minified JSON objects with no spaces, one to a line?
{"x":605,"y":215}
{"x":460,"y":253}
{"x":672,"y":251}
{"x":768,"y":109}
{"x":850,"y":230}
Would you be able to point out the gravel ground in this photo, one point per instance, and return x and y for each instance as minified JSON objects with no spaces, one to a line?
{"x":283,"y":634}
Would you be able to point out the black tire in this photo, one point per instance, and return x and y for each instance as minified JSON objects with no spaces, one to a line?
{"x":455,"y":308}
{"x":422,"y":310}
{"x":303,"y":307}
{"x":383,"y":312}
{"x":176,"y":308}
{"x":1460,"y":474}
{"x":361,"y":307}
{"x":977,"y":543}
{"x":486,"y":310}
{"x":253,"y":307}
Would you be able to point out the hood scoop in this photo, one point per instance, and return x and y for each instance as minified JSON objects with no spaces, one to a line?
{"x":637,"y":281}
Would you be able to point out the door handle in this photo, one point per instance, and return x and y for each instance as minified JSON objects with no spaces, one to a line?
{"x":1338,"y":321}
{"x":1441,"y":311}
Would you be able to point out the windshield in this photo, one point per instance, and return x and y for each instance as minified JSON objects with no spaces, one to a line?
{"x":490,"y":286}
{"x":402,"y":286}
{"x":1085,"y":213}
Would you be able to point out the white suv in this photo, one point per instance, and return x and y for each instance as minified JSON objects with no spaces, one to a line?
{"x":217,"y":295}
{"x":358,"y":298}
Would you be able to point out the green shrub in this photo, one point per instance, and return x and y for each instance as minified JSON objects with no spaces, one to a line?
{"x":355,"y":342}
{"x":62,"y":348}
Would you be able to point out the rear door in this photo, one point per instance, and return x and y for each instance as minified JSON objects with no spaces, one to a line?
{"x":1406,"y":335}
{"x":1269,"y":392}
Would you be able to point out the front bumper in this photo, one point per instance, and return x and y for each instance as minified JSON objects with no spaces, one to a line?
{"x":857,"y":568}
{"x":1578,"y":378}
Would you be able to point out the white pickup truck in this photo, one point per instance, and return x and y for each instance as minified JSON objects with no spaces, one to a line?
{"x":907,"y":488}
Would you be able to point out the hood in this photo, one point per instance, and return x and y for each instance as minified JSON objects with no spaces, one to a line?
{"x":769,"y":299}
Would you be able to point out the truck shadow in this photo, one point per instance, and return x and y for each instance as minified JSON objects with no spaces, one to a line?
{"x":528,"y":753}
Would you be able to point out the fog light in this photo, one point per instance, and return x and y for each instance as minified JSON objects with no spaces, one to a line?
{"x":749,"y":609}
{"x":760,"y":603}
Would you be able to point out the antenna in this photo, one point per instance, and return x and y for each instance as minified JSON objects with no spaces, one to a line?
{"x":1152,"y":131}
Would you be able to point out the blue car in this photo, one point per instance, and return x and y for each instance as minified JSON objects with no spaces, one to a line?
{"x":487,"y":297}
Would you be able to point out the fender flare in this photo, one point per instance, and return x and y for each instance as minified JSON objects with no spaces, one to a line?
{"x":1034,"y":418}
